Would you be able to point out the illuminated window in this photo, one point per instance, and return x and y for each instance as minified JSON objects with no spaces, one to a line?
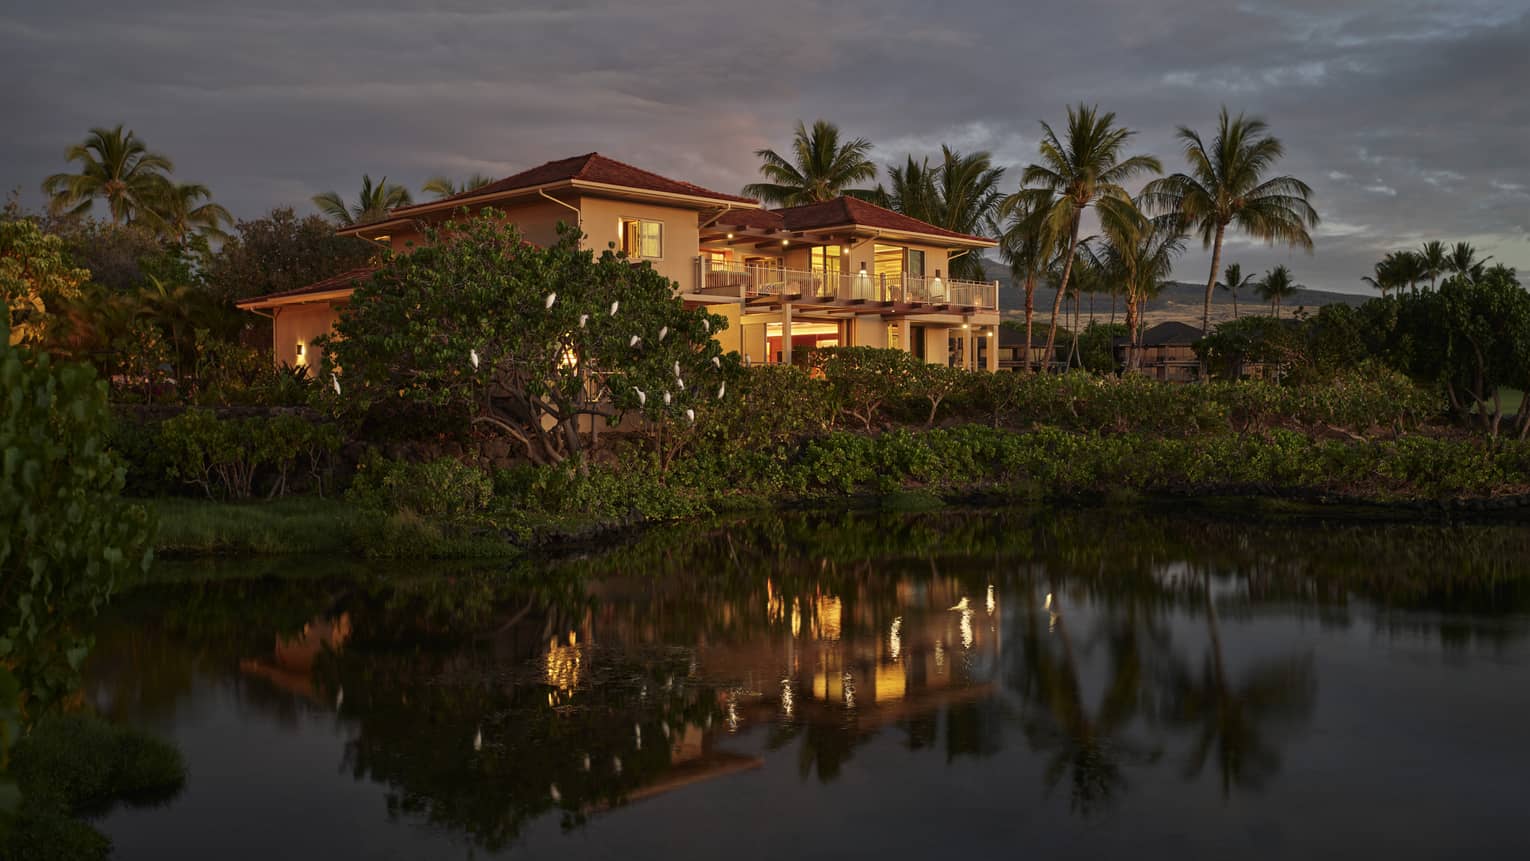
{"x":826,"y":259}
{"x":640,"y":238}
{"x":916,"y":263}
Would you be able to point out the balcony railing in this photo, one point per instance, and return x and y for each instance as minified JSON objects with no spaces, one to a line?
{"x":734,"y":279}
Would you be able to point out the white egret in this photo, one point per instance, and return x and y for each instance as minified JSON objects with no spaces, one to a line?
{"x":473,"y":356}
{"x":614,"y":306}
{"x":583,"y":318}
{"x":635,"y":341}
{"x":691,"y":414}
{"x":551,"y":298}
{"x":663,"y":330}
{"x":642,"y":397}
{"x":336,"y":381}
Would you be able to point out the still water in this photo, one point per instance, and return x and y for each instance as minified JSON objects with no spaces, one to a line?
{"x":1079,"y":684}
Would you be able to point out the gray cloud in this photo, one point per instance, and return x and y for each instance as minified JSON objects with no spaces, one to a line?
{"x":1407,"y":117}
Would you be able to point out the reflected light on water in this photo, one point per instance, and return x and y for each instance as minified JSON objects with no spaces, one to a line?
{"x":992,"y":602}
{"x":895,"y":638}
{"x":827,"y":612}
{"x":966,"y":626}
{"x":788,"y":698}
{"x":565,"y":665}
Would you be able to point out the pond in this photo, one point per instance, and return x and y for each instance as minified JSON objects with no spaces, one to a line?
{"x":1087,"y":684}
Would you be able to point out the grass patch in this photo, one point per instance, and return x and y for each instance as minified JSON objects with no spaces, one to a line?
{"x":281,"y":526}
{"x":315,"y":526}
{"x":77,"y":764}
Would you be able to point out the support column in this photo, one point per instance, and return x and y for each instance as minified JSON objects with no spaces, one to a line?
{"x":992,"y":337}
{"x":786,"y":333}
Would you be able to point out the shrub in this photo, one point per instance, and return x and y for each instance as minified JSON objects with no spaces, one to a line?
{"x":224,"y":457}
{"x":445,"y":487}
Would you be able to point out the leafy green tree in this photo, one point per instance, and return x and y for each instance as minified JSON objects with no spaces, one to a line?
{"x":912,"y":190}
{"x":281,"y":251}
{"x":115,"y":166}
{"x":35,"y":281}
{"x":820,"y":168}
{"x":485,"y":329}
{"x":66,"y":541}
{"x":372,"y":202}
{"x":865,"y":379}
{"x":1276,"y":286}
{"x":1227,"y":186}
{"x":1233,"y":281}
{"x":445,"y":186}
{"x":1074,"y":175}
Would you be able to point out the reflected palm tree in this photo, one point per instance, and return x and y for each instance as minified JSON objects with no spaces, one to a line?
{"x":1231,"y":716}
{"x":1087,"y":745}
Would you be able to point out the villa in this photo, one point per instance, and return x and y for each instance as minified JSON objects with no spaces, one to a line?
{"x":843,"y":272}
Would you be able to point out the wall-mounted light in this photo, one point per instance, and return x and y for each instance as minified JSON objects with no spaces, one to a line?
{"x":966,"y":326}
{"x":730,"y":236}
{"x":786,"y":242}
{"x":300,"y":351}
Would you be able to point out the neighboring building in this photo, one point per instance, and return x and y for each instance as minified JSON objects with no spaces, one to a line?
{"x":1166,"y":352}
{"x":1012,"y":348}
{"x":842,"y":272}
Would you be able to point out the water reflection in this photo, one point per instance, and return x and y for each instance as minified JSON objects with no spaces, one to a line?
{"x":1070,"y":659}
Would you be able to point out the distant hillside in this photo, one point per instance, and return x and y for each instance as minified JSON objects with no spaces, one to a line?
{"x":1179,"y":301}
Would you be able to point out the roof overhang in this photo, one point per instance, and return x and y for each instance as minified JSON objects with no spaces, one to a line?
{"x":261,"y":303}
{"x":413,"y":213}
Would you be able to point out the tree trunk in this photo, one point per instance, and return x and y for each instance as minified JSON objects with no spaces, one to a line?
{"x":1133,"y":349}
{"x":1062,"y":287}
{"x":1030,"y":312}
{"x":1211,"y":282}
{"x":1234,"y":292}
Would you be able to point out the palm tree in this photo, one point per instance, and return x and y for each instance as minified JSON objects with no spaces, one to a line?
{"x":371,"y":204}
{"x":821,"y":168}
{"x":960,"y":195}
{"x":1435,"y":258}
{"x":1028,"y":249}
{"x":1226,"y":186}
{"x":1411,"y":269}
{"x":1276,"y":285}
{"x":115,"y":166}
{"x":912,"y":190}
{"x":1463,"y":261}
{"x":1386,"y":275}
{"x":443,"y":186}
{"x":1139,"y":254}
{"x":180,"y":211}
{"x":1079,"y":173}
{"x":1233,"y":281}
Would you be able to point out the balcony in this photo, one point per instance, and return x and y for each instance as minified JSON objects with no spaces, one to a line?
{"x":832,"y":288}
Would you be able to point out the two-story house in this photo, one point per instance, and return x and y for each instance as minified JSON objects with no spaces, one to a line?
{"x":839,"y":273}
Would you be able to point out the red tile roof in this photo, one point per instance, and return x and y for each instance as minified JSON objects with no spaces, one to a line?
{"x":850,"y":210}
{"x":342,"y":281}
{"x":753,"y":219}
{"x":590,"y":167}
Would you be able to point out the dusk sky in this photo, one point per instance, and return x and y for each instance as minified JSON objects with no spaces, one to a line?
{"x":1410,"y":118}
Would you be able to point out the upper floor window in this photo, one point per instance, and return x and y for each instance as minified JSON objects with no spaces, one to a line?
{"x":639,"y":238}
{"x":825,"y":259}
{"x":915,"y":263}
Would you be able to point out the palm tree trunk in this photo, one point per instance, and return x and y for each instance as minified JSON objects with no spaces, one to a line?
{"x":1234,"y":292}
{"x":1030,"y":312}
{"x":1211,"y":282}
{"x":1062,"y":287}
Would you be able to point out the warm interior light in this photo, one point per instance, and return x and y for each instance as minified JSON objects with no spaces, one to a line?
{"x":785,"y":241}
{"x":966,"y":326}
{"x":300,"y":348}
{"x":730,"y":236}
{"x":990,"y":333}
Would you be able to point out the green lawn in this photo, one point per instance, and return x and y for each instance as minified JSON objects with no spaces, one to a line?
{"x":281,"y":526}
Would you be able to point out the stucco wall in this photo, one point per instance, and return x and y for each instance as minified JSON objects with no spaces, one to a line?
{"x":681,"y":235}
{"x":300,"y":324}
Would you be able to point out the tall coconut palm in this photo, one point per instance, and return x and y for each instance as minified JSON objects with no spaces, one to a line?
{"x":1463,"y":261}
{"x":371,"y":204}
{"x":961,"y":194}
{"x":912,"y":190}
{"x":1435,"y":258}
{"x":1234,"y":280}
{"x":1226,"y":186}
{"x":1276,"y":285}
{"x":1029,"y":250}
{"x":445,"y":186}
{"x":820,"y":168}
{"x":1139,"y":252}
{"x":1385,"y":275}
{"x":185,"y":208}
{"x":1410,"y":268}
{"x":115,"y":166}
{"x":1078,"y":173}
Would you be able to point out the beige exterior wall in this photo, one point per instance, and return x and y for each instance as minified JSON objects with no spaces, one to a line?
{"x":937,"y":350}
{"x":730,"y":339}
{"x":681,"y":236}
{"x":754,"y":337}
{"x":870,"y":330}
{"x":300,"y":324}
{"x":536,"y":218}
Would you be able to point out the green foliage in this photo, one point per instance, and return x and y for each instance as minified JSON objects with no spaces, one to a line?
{"x":864,"y":379}
{"x":225,"y":457}
{"x":280,"y":252}
{"x":74,"y":763}
{"x":65,"y":538}
{"x":1096,"y":346}
{"x":444,"y":487}
{"x":558,"y":334}
{"x":36,"y":279}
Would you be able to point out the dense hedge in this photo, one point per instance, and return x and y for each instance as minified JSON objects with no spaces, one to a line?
{"x":227,"y":458}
